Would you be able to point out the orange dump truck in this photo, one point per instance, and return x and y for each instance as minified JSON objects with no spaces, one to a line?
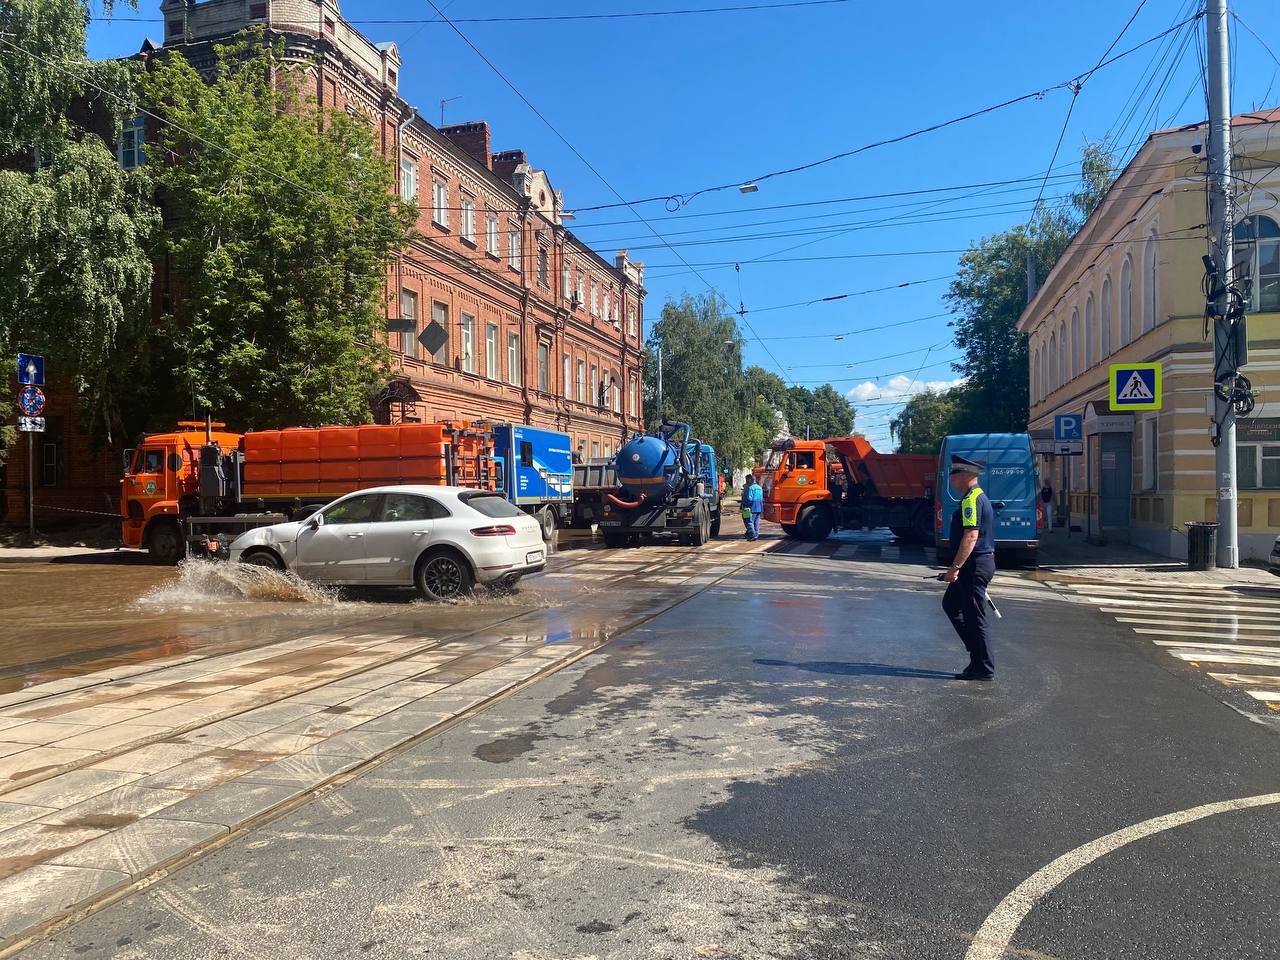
{"x":200,"y":485}
{"x":812,"y":487}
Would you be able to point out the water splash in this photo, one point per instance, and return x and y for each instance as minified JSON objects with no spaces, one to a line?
{"x":201,"y":584}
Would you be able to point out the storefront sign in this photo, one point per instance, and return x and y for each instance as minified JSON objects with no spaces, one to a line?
{"x":1261,"y":430}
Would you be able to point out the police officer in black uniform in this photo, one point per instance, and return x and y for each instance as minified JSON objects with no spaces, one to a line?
{"x":974,"y":564}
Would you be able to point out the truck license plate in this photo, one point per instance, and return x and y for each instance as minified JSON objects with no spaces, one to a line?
{"x":610,"y":523}
{"x":534,"y":556}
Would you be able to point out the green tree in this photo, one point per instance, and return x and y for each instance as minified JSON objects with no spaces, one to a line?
{"x":927,"y":419}
{"x":283,"y":226}
{"x":75,"y":228}
{"x":990,"y":291}
{"x":819,"y":413}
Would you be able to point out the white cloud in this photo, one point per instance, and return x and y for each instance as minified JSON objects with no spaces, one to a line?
{"x":900,"y":387}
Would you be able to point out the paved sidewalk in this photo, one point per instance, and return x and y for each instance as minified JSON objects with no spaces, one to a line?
{"x":1075,"y":557}
{"x":107,"y":777}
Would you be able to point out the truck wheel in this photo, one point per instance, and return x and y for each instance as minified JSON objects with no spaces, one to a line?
{"x":922,"y":525}
{"x":164,"y":543}
{"x":701,"y":527}
{"x":547,"y":520}
{"x":814,"y":523}
{"x":443,"y":575}
{"x":715,"y":525}
{"x":789,"y":529}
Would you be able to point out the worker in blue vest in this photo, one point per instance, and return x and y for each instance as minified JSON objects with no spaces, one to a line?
{"x":752,"y":506}
{"x":972,"y":535}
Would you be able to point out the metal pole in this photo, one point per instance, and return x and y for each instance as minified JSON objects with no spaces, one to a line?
{"x":1221,"y":222}
{"x":659,"y":398}
{"x":31,"y":485}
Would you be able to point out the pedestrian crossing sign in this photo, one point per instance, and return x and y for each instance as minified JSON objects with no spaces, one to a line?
{"x":1135,"y":386}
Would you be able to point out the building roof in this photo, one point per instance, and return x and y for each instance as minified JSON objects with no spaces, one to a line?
{"x":1269,"y":115}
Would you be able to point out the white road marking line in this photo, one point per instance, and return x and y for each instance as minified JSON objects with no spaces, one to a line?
{"x":996,"y":933}
{"x":1221,"y":623}
{"x":1266,"y":696}
{"x":1245,"y":679}
{"x":1187,"y":603}
{"x":1220,"y":635}
{"x":1250,"y":659}
{"x":1192,"y":645}
{"x":1175,"y":615}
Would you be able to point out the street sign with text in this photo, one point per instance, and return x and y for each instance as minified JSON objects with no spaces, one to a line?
{"x":31,"y":424}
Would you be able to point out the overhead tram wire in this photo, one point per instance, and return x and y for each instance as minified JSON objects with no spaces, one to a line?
{"x":545,"y":18}
{"x":599,"y":176}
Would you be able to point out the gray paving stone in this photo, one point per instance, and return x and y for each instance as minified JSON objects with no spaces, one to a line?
{"x":308,"y":769}
{"x":231,"y":804}
{"x":13,"y":814}
{"x":360,"y":745}
{"x":141,"y":847}
{"x":115,"y":808}
{"x":46,"y":891}
{"x":70,"y":788}
{"x":410,"y":719}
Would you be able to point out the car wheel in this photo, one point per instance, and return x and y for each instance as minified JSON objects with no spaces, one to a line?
{"x":547,"y":520}
{"x":263,"y":558}
{"x":443,"y":576}
{"x":164,"y":543}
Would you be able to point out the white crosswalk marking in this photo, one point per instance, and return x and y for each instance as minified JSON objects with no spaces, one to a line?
{"x":1217,"y":627}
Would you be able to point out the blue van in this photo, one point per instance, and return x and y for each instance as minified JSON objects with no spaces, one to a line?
{"x":1010,"y":482}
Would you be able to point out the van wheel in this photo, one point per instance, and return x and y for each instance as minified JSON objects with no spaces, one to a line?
{"x":815,"y":523}
{"x":443,"y":575}
{"x":164,"y":543}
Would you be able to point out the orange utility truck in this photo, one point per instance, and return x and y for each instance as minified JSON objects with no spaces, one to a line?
{"x":201,"y":486}
{"x":812,"y":487}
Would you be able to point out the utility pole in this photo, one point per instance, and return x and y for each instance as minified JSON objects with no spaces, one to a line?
{"x":659,"y":398}
{"x":1221,"y":224}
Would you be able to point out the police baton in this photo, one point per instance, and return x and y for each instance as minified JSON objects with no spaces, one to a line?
{"x":985,"y":596}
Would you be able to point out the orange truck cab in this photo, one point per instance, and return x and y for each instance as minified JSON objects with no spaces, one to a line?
{"x":202,"y":486}
{"x":812,"y":487}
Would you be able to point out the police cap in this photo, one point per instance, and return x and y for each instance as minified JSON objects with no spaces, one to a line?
{"x":961,"y":464}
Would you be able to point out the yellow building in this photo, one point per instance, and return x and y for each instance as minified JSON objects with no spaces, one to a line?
{"x":1128,"y":289}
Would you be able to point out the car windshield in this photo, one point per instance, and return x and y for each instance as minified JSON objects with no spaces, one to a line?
{"x":490,"y":504}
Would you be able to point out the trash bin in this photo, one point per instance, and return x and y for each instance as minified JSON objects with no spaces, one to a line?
{"x":1202,"y":545}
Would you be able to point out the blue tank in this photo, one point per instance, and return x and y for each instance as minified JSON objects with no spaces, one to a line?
{"x":654,"y":468}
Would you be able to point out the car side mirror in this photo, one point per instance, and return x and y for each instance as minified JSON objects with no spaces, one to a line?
{"x":314,"y":522}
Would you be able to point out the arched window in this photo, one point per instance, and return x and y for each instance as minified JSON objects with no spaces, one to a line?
{"x":1257,"y":259}
{"x":1062,"y":354}
{"x":1035,"y":375}
{"x":1053,"y":351}
{"x":1075,"y":343}
{"x":1044,"y":372}
{"x":1104,"y":347}
{"x":1126,"y":302}
{"x":1090,"y":332}
{"x":1150,"y":283}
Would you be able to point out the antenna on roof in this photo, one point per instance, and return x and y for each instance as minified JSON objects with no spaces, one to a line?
{"x":443,"y":101}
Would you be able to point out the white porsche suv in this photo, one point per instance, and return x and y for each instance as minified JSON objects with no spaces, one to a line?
{"x":442,"y":540}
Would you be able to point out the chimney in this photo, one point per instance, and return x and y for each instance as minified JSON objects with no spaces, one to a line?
{"x":472,"y":139}
{"x":504,"y":164}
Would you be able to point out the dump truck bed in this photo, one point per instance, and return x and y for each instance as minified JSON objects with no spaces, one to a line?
{"x":907,"y":476}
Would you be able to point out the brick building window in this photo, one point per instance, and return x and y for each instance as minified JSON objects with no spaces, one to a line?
{"x":132,"y":138}
{"x":564,"y":282}
{"x":608,"y":304}
{"x":468,"y":343}
{"x":409,"y":180}
{"x":580,"y":385}
{"x":595,"y":386}
{"x":491,"y":351}
{"x":615,"y":394}
{"x":440,"y":314}
{"x":329,"y":26}
{"x":491,"y":234}
{"x":469,"y":220}
{"x":580,"y":293}
{"x":172,"y":29}
{"x":440,"y":203}
{"x":568,"y":378}
{"x":595,"y":299}
{"x":542,"y":266}
{"x":632,"y":409}
{"x":544,"y":367}
{"x":257,"y":11}
{"x":409,"y":311}
{"x":49,"y":466}
{"x":513,"y":247}
{"x":631,"y":321}
{"x":513,"y":359}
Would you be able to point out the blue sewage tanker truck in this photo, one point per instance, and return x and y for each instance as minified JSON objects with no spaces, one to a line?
{"x":663,"y":483}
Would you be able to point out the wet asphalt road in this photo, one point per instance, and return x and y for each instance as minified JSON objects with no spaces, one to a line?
{"x":778,"y":767}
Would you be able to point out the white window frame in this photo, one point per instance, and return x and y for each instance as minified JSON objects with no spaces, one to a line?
{"x":632,"y":408}
{"x":409,"y":179}
{"x":513,"y":245}
{"x":580,"y":290}
{"x":468,"y":343}
{"x":440,"y":315}
{"x":566,"y":282}
{"x":594,"y":397}
{"x":469,"y":219}
{"x":1256,"y":451}
{"x":568,"y":377}
{"x":409,"y":311}
{"x":513,"y":359}
{"x":1090,"y":332}
{"x":631,"y":322}
{"x":491,"y":351}
{"x":131,"y":152}
{"x":493,"y":244}
{"x":1249,"y":254}
{"x":595,"y":298}
{"x":440,"y":202}
{"x":1126,"y":302}
{"x":1150,"y":283}
{"x":1104,"y":346}
{"x":579,"y":392}
{"x":544,"y":366}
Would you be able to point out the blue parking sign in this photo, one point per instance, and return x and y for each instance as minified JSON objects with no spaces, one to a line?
{"x":1068,"y":427}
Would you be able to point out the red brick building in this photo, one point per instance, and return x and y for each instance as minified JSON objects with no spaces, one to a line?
{"x":539,"y":329}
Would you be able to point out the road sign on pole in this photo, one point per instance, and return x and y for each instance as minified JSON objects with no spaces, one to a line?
{"x":1136,"y":386}
{"x":31,"y":400}
{"x":1068,"y":427}
{"x":30,"y":369}
{"x":31,"y":424}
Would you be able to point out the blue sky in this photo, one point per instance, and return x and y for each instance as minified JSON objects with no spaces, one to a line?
{"x":668,"y":106}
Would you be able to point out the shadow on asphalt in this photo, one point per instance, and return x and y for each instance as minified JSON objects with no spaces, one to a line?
{"x":859,"y":669}
{"x":122,"y":558}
